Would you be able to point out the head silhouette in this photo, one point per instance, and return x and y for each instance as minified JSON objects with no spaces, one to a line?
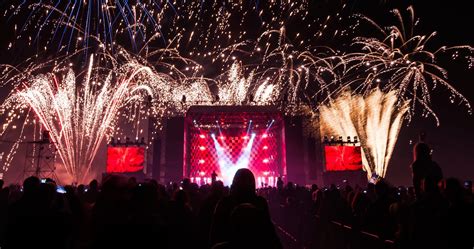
{"x":31,"y":185}
{"x":243,"y":183}
{"x":94,"y":185}
{"x":421,"y":151}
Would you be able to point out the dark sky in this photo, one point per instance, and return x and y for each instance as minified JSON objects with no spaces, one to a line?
{"x":453,"y":141}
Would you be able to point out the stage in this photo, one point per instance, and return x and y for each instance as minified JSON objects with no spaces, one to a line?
{"x":216,"y":141}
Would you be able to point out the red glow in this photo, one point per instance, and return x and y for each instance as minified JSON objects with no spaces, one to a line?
{"x":125,"y":159}
{"x":204,"y":155}
{"x":339,"y":158}
{"x":232,"y":140}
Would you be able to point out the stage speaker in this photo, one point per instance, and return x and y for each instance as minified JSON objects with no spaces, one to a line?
{"x":294,"y":139}
{"x":312,"y":158}
{"x":156,"y":166}
{"x":174,"y":139}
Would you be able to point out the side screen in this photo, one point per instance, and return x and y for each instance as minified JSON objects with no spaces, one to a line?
{"x":125,"y":159}
{"x":339,"y":158}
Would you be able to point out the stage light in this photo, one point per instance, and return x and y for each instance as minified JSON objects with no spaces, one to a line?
{"x":355,"y":139}
{"x":202,"y":148}
{"x":265,"y":147}
{"x":203,"y":136}
{"x":265,"y":173}
{"x":340,"y":139}
{"x":348,"y":139}
{"x":265,"y":160}
{"x":221,"y":137}
{"x":265,"y":135}
{"x":245,"y":137}
{"x":202,"y":173}
{"x":201,"y":161}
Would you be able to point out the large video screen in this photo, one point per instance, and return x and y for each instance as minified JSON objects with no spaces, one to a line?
{"x":340,"y":157}
{"x":125,"y":159}
{"x":225,"y":153}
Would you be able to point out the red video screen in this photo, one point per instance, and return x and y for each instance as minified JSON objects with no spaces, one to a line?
{"x":125,"y":159}
{"x":340,"y":158}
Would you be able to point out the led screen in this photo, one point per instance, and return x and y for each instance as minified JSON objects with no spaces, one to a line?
{"x":339,"y":158}
{"x":125,"y":159}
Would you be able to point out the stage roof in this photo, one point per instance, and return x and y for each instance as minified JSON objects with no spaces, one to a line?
{"x":233,"y":114}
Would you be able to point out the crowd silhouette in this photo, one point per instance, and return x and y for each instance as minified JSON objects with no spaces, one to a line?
{"x":123,"y":212}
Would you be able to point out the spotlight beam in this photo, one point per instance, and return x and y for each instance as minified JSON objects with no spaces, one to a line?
{"x":227,"y":167}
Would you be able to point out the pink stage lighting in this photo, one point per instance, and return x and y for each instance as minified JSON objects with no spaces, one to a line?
{"x":256,"y":145}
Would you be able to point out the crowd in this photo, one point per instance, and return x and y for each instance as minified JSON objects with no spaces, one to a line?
{"x":121,"y":212}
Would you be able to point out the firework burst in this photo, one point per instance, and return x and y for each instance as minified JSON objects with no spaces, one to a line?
{"x":80,"y":116}
{"x":72,"y":25}
{"x":401,"y":62}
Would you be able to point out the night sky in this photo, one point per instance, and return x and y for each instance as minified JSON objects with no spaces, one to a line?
{"x":453,"y":140}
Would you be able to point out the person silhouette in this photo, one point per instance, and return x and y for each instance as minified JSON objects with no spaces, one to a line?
{"x":242,"y":191}
{"x":213,"y":176}
{"x":424,"y":169}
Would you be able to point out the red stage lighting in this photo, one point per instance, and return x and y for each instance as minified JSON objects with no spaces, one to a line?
{"x":214,"y":147}
{"x":204,"y":154}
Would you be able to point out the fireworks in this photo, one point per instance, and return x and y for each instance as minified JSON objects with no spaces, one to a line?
{"x":70,"y":25}
{"x":174,"y":55}
{"x":376,"y":119}
{"x":401,"y":62}
{"x":79,"y":116}
{"x":205,"y":41}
